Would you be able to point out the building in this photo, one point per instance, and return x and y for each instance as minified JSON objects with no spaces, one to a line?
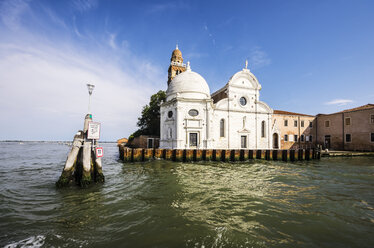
{"x":234,"y":117}
{"x":231,"y":118}
{"x":293,"y":130}
{"x":351,"y":129}
{"x":144,"y":141}
{"x":122,"y":141}
{"x":176,"y":65}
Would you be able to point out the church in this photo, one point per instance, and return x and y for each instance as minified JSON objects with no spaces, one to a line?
{"x":231,"y":118}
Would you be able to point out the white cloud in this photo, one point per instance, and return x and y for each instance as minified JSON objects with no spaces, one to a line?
{"x":339,"y":102}
{"x":205,"y":27}
{"x":258,"y":58}
{"x":43,"y":94}
{"x":191,"y":55}
{"x":84,"y":5}
{"x":112,"y":41}
{"x":11,"y":12}
{"x":51,"y":85}
{"x":171,"y":6}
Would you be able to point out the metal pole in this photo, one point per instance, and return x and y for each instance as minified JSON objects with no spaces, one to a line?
{"x":90,"y":88}
{"x":89,"y":103}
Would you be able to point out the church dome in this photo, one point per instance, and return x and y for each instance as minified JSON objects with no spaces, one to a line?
{"x":188,"y":84}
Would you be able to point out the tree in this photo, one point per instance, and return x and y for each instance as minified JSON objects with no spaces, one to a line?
{"x":149,"y":122}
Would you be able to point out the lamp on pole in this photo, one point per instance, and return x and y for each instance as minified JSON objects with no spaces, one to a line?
{"x":90,"y":88}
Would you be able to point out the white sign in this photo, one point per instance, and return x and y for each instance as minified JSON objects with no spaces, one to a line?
{"x":99,"y":152}
{"x":93,"y":130}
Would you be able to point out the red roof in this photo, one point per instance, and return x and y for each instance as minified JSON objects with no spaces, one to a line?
{"x":363,"y":107}
{"x":281,"y":112}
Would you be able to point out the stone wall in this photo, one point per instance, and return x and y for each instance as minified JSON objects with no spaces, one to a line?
{"x":359,"y":127}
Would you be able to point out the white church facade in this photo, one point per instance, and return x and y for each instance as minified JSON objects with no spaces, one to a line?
{"x":231,"y":118}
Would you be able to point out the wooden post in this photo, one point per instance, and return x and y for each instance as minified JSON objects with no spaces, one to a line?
{"x":189,"y":155}
{"x":208,"y":154}
{"x":227,"y":155}
{"x":98,"y":169}
{"x":217,"y":155}
{"x":179,"y":155}
{"x":67,"y":173}
{"x":236,"y":155}
{"x":86,"y":176}
{"x":158,"y":153}
{"x":199,"y":155}
{"x":148,"y":154}
{"x":292,"y":155}
{"x":268,"y":155}
{"x":252,"y":154}
{"x":82,"y":164}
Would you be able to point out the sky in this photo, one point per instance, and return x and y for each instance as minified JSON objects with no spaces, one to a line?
{"x":309,"y":56}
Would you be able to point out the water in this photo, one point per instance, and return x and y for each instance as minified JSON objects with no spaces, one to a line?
{"x":327,"y":203}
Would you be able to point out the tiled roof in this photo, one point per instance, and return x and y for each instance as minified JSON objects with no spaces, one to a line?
{"x":363,"y":107}
{"x":281,"y":112}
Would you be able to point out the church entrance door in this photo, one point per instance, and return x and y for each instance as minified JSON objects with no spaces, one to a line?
{"x":243,"y":141}
{"x":275,"y":141}
{"x":193,"y":139}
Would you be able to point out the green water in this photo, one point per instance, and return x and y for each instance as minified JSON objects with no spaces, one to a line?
{"x":326,"y":203}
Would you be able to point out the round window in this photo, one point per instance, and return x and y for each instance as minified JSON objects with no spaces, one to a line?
{"x":193,"y":112}
{"x":170,"y":114}
{"x":243,"y":101}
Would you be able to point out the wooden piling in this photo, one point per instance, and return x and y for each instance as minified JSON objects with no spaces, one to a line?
{"x":179,"y":155}
{"x":252,"y":154}
{"x":226,"y":155}
{"x":67,"y":173}
{"x":148,"y":154}
{"x":86,"y":176}
{"x":236,"y":155}
{"x":292,"y":155}
{"x":217,"y":155}
{"x":198,"y":155}
{"x":98,"y":168}
{"x":307,"y":154}
{"x":189,"y":155}
{"x":82,"y":164}
{"x":169,"y":154}
{"x":159,"y":153}
{"x":137,"y":155}
{"x":208,"y":155}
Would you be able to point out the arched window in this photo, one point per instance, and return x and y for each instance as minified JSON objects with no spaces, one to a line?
{"x":263,"y":129}
{"x":170,"y":134}
{"x":222,"y":128}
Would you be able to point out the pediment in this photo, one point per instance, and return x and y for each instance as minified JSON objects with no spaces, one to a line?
{"x":244,"y":130}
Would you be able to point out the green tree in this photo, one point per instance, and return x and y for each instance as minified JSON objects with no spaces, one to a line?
{"x":149,"y":122}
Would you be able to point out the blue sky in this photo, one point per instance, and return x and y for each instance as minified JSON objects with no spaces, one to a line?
{"x":309,"y":56}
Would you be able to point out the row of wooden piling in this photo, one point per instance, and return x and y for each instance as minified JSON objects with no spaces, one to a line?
{"x":189,"y":155}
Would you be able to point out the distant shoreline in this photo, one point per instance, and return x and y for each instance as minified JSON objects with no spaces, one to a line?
{"x":46,"y":141}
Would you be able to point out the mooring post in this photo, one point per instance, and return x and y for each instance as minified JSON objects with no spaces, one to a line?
{"x":67,"y":173}
{"x":86,"y":176}
{"x":98,"y":169}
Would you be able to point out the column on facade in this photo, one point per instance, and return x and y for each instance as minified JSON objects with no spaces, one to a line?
{"x":176,"y":125}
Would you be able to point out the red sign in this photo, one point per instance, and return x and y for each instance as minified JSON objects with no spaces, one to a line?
{"x":99,"y":152}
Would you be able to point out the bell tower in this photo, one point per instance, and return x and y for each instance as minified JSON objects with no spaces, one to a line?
{"x":176,"y":64}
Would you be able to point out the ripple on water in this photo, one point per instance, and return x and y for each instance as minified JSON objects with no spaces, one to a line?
{"x":327,"y":203}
